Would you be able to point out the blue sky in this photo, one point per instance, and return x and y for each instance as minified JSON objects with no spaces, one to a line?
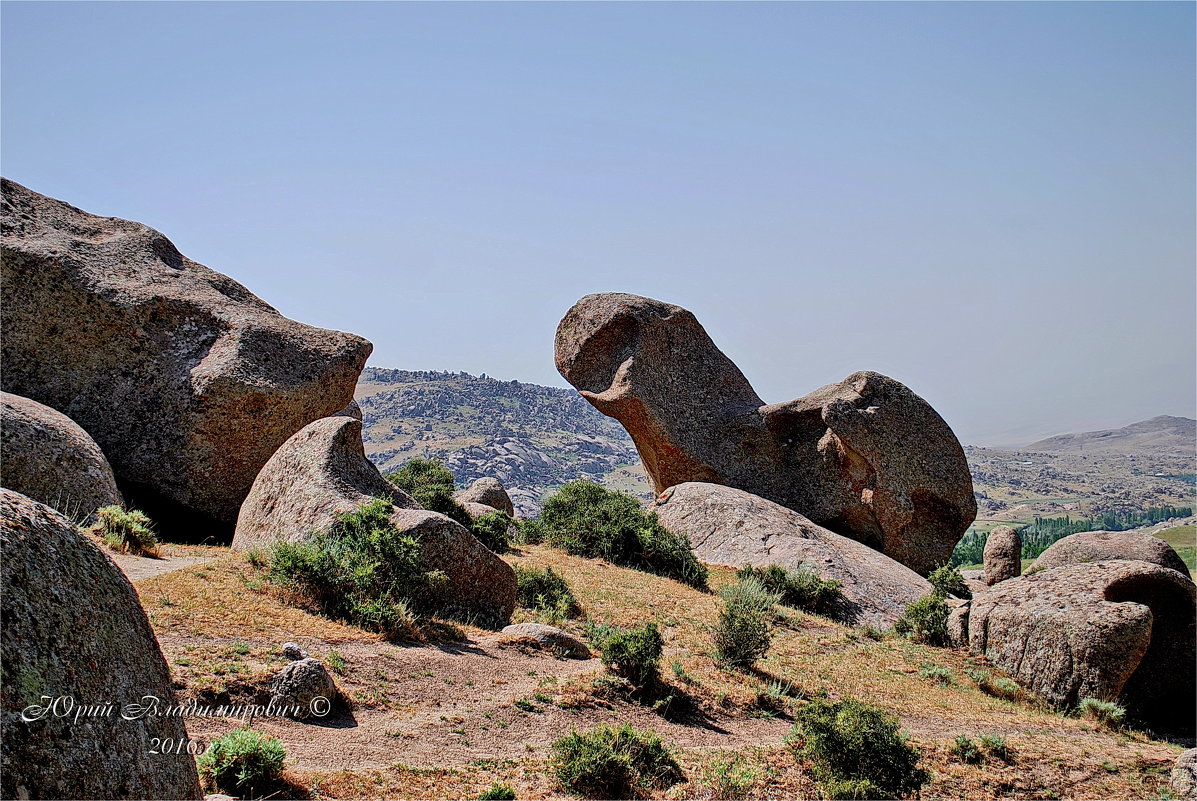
{"x":991,"y":202}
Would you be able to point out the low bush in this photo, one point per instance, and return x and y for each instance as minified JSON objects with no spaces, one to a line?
{"x":729,"y":777}
{"x":497,"y":792}
{"x":937,"y":674}
{"x":493,"y":530}
{"x":997,"y":686}
{"x":243,"y":762}
{"x":127,"y":531}
{"x":966,"y":751}
{"x":587,"y":520}
{"x":743,"y":632}
{"x":1105,"y":713}
{"x":544,"y":591}
{"x":799,"y":587}
{"x":856,"y":750}
{"x":926,"y":620}
{"x":634,"y":653}
{"x":362,"y":570}
{"x":947,"y":581}
{"x":431,"y":485}
{"x":614,"y":762}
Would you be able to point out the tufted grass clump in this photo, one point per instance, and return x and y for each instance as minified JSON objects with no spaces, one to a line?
{"x":995,"y":745}
{"x":743,"y":633}
{"x":361,"y":570}
{"x":497,"y":792}
{"x":937,"y":674}
{"x":997,"y":686}
{"x":126,"y":530}
{"x":614,"y":762}
{"x":856,"y":750}
{"x":965,"y":750}
{"x":729,"y":777}
{"x":799,"y":587}
{"x":493,"y":530}
{"x":546,"y":592}
{"x":947,"y":580}
{"x":585,"y":519}
{"x":1105,"y":713}
{"x":634,"y":653}
{"x":926,"y":620}
{"x":243,"y":762}
{"x":432,"y":486}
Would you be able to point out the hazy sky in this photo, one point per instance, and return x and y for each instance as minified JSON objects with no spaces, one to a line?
{"x":991,"y":202}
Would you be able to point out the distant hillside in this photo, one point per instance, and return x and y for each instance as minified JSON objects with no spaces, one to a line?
{"x":1159,"y":436}
{"x":532,"y":438}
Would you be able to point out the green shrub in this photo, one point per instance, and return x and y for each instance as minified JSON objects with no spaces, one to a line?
{"x":243,"y":762}
{"x":729,"y":777}
{"x":799,"y":587}
{"x":743,"y":633}
{"x":925,"y":620}
{"x":634,"y":653}
{"x":545,"y":591}
{"x":614,"y":762}
{"x":431,"y":484}
{"x":948,"y":581}
{"x":362,"y":570}
{"x":857,"y":750}
{"x":937,"y":674}
{"x":997,"y":686}
{"x":498,"y":792}
{"x":1105,"y":713}
{"x":125,"y":531}
{"x":966,"y":751}
{"x":587,"y":520}
{"x":996,"y":746}
{"x":493,"y":530}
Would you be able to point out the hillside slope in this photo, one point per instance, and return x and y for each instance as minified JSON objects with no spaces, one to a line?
{"x":1159,"y":436}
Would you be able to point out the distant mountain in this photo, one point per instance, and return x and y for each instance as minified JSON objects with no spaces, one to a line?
{"x":1159,"y":436}
{"x":532,"y":438}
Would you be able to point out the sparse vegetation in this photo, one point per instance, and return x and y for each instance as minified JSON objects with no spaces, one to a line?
{"x":856,"y":750}
{"x":432,"y":486}
{"x":926,"y":620}
{"x":743,"y":633}
{"x":1105,"y":713}
{"x":362,"y":570}
{"x":544,"y":591}
{"x":243,"y":762}
{"x":997,"y":686}
{"x":995,"y":745}
{"x":937,"y":674}
{"x":729,"y":777}
{"x":614,"y":762}
{"x":634,"y":653}
{"x":127,"y":531}
{"x":497,"y":792}
{"x":799,"y":587}
{"x":585,"y":519}
{"x":947,"y":580}
{"x":966,"y":751}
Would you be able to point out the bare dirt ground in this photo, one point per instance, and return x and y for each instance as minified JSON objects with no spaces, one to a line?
{"x":137,"y":568}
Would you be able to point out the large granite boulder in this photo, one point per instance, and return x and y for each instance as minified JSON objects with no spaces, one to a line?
{"x":488,"y":492}
{"x":727,"y":526}
{"x":322,"y":471}
{"x":186,"y":380}
{"x":1115,"y":629}
{"x":1095,"y":546}
{"x":48,"y":457}
{"x":866,"y":458}
{"x":74,"y":630}
{"x":1002,"y":555}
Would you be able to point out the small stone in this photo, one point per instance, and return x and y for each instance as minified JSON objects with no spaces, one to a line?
{"x":292,"y":651}
{"x":299,"y":684}
{"x":1184,"y":775}
{"x":551,"y":638}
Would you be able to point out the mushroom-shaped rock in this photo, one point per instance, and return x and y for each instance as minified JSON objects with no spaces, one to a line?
{"x":866,"y":458}
{"x":46,"y":456}
{"x":75,"y":632}
{"x":550,"y":638}
{"x":185,"y":378}
{"x":1095,"y":546}
{"x":322,"y":471}
{"x":303,"y":689}
{"x":488,"y":492}
{"x":1002,"y":555}
{"x":729,"y":526}
{"x":1111,"y":630}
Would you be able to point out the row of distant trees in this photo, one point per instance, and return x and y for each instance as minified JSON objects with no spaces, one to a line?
{"x":1037,"y":536}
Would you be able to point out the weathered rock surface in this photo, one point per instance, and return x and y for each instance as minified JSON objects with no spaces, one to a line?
{"x":866,"y":457}
{"x":958,"y":622}
{"x":303,"y":688}
{"x":1184,"y":775}
{"x":550,"y":638}
{"x":46,"y":456}
{"x":73,"y":627}
{"x":186,"y":380}
{"x":477,"y":510}
{"x":1114,"y":629}
{"x":322,"y":471}
{"x":488,"y":492}
{"x":1095,"y":546}
{"x":292,"y":651}
{"x":728,"y":526}
{"x":1002,"y":555}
